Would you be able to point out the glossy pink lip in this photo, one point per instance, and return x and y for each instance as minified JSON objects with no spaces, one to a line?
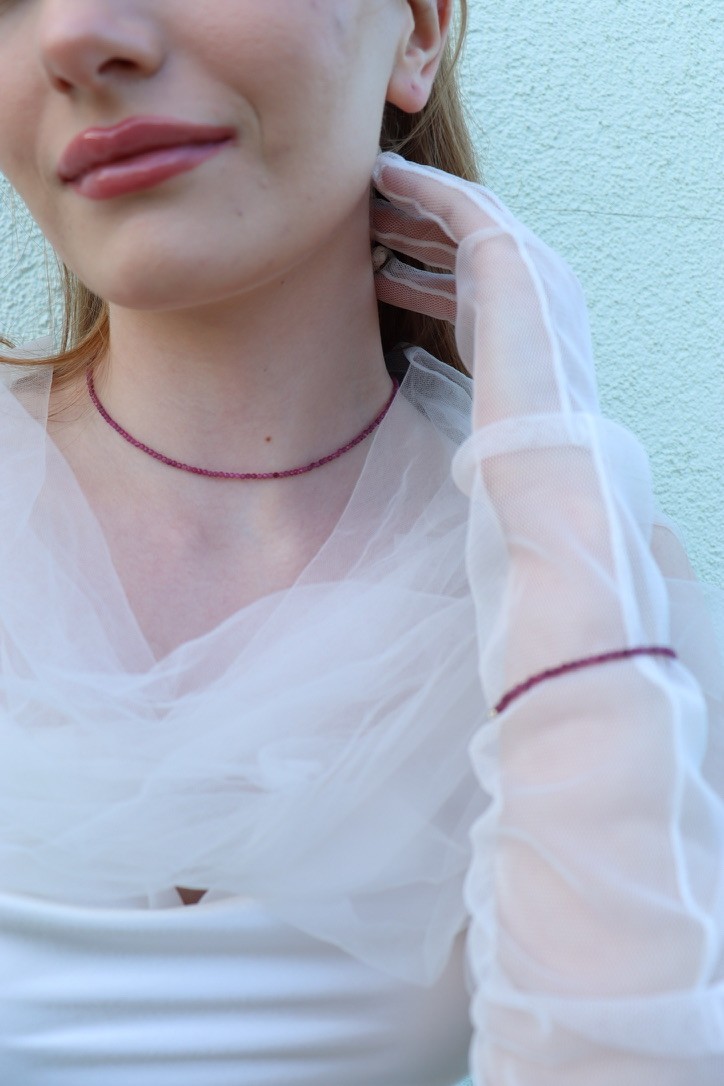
{"x":134,"y":136}
{"x":127,"y":175}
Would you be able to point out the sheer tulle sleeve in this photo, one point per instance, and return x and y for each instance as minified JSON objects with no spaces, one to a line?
{"x":596,"y":887}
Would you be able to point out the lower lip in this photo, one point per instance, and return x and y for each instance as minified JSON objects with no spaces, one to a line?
{"x":143,"y":171}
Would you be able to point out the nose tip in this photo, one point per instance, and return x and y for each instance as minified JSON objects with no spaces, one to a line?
{"x":91,"y":49}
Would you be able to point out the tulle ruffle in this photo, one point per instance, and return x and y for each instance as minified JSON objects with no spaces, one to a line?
{"x":310,"y":753}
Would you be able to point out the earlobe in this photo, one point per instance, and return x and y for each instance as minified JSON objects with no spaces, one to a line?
{"x":420,"y":54}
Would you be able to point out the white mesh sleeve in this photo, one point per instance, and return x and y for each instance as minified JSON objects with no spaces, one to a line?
{"x":596,"y":888}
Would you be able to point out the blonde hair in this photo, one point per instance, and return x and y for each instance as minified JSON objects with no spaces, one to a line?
{"x":437,"y":136}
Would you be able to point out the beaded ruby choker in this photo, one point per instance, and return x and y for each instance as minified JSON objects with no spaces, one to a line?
{"x":239,"y":474}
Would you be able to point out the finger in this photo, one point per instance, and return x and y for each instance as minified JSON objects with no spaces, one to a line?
{"x":416,"y":237}
{"x":386,"y":217}
{"x":458,"y":207}
{"x":420,"y":291}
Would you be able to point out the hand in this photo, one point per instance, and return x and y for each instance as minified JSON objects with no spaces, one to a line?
{"x":520,"y":317}
{"x":522,"y":330}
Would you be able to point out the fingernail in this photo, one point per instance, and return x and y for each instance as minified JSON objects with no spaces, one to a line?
{"x":380,"y":256}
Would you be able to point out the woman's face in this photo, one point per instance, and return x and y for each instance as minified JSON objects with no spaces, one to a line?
{"x":302,"y":82}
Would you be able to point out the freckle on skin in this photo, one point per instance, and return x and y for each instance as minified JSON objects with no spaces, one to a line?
{"x":267,"y":439}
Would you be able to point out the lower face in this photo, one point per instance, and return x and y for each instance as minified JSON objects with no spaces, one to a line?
{"x":302,"y":82}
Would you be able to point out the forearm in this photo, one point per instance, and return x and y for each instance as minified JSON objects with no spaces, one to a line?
{"x":604,"y":837}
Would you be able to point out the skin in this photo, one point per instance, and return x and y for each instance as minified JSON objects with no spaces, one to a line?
{"x":244,"y":331}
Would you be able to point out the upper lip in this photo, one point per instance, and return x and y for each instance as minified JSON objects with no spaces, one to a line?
{"x":97,"y":146}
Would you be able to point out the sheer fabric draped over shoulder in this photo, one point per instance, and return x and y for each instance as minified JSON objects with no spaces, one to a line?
{"x":309,"y":753}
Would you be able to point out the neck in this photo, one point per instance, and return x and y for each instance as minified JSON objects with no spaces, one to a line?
{"x":259,"y":382}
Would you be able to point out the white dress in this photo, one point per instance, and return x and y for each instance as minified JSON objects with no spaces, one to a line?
{"x":322,"y":763}
{"x":217,"y":994}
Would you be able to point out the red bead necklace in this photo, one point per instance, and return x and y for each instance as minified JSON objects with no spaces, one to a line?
{"x":239,"y":474}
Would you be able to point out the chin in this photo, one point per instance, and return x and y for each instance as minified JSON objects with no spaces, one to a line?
{"x":155,"y":265}
{"x":181,"y":287}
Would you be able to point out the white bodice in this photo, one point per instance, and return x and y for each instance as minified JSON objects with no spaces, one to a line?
{"x":215,"y":994}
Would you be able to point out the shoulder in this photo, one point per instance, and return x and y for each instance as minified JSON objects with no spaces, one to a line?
{"x":27,"y":385}
{"x":38,"y":349}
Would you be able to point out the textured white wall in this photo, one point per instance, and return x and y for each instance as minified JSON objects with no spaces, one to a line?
{"x":602,"y":127}
{"x":600,"y":124}
{"x":24,"y":257}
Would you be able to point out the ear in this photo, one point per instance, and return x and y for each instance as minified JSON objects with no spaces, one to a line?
{"x":420,"y":53}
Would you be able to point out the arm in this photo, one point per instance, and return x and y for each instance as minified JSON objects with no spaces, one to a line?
{"x":596,"y":889}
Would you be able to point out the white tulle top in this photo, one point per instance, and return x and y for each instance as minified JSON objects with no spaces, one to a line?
{"x":322,"y":763}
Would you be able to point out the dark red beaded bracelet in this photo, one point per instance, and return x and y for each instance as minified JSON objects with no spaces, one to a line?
{"x":577,"y":665}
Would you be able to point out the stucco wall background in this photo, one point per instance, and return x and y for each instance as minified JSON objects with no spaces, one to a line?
{"x":600,"y":124}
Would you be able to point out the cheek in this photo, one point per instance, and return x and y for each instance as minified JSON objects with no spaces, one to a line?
{"x":31,"y":137}
{"x":295,"y":68}
{"x":19,"y":124}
